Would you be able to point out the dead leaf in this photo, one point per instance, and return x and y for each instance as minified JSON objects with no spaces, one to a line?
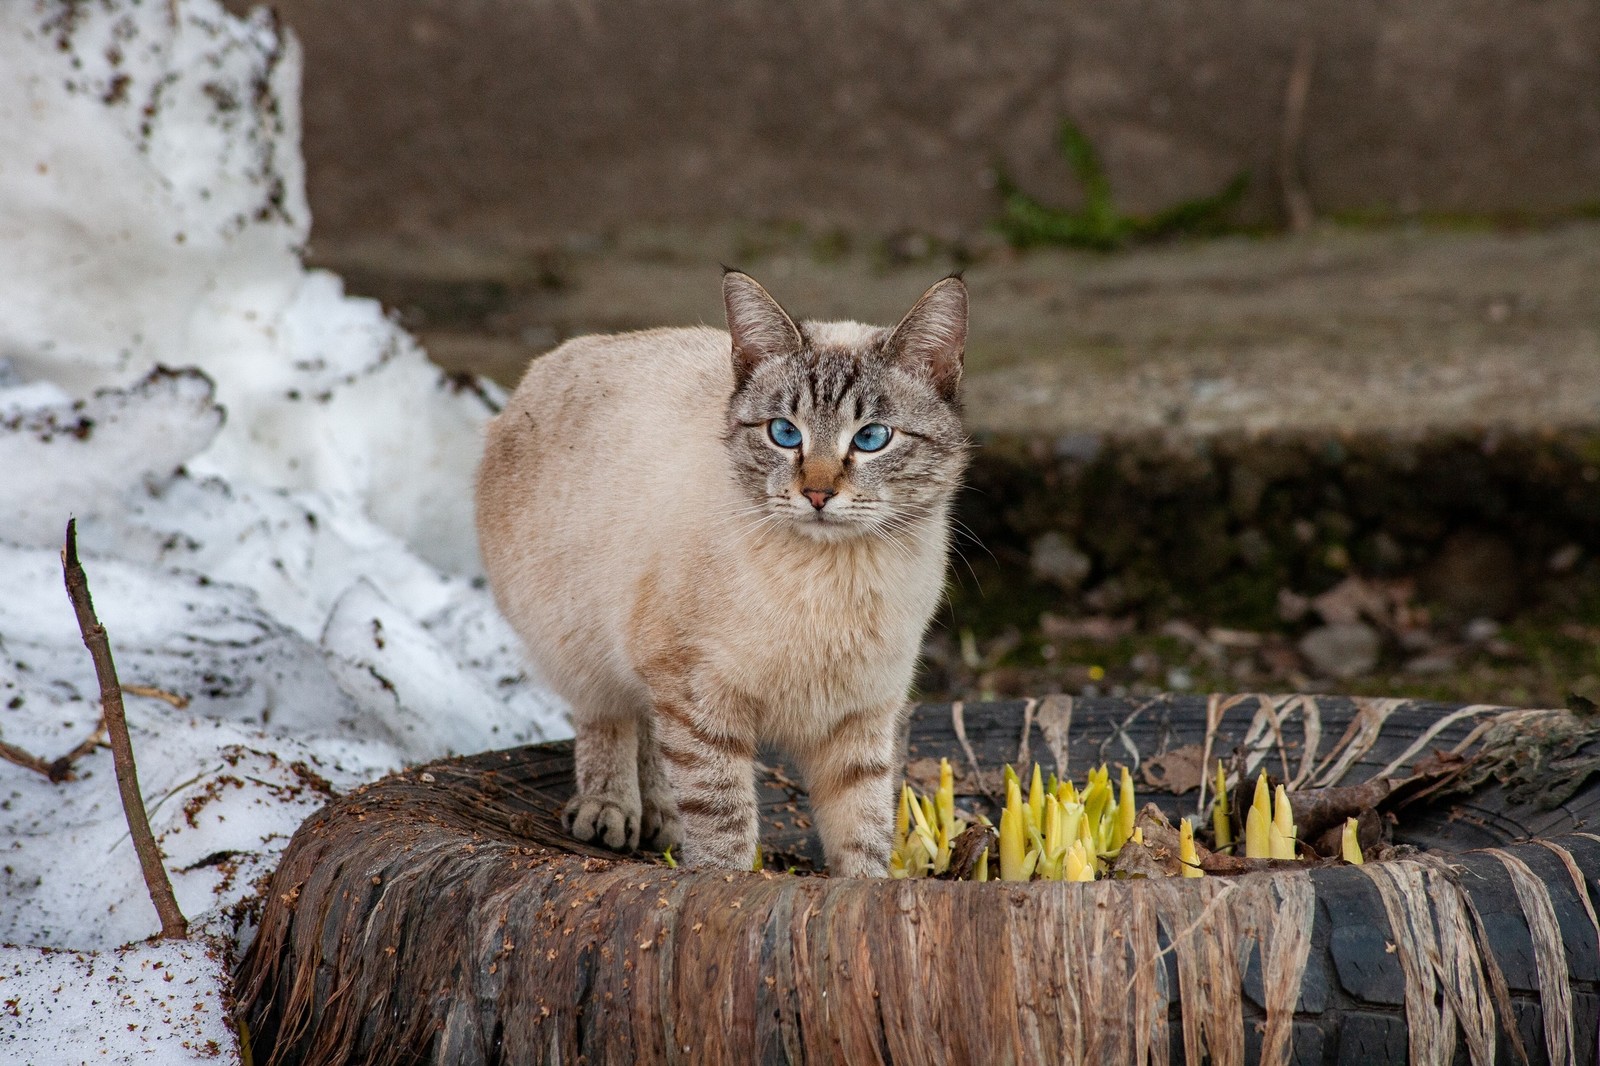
{"x":1177,"y":771}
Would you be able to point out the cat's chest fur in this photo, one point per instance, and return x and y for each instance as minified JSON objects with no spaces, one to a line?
{"x":813,"y":632}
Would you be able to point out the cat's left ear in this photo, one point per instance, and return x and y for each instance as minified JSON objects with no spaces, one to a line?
{"x":760,"y":328}
{"x":932,"y":339}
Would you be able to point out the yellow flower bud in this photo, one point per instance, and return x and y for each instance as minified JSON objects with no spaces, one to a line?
{"x":1258,"y":822}
{"x":1079,"y":864}
{"x":1281,"y":837}
{"x":1036,"y":798}
{"x":945,"y":800}
{"x":1187,"y":856}
{"x":1125,"y":812}
{"x":1221,"y":824}
{"x":1350,"y":842}
{"x":1013,"y":848}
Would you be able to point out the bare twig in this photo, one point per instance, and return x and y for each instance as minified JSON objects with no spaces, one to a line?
{"x":57,"y":770}
{"x":173,"y":925}
{"x":1296,"y":201}
{"x":25,"y":759}
{"x":62,"y":768}
{"x":151,"y":692}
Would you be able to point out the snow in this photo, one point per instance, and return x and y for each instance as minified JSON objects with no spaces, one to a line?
{"x":150,"y":1002}
{"x":273,"y":491}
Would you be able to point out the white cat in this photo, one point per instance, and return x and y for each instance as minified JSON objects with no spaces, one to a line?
{"x":708,"y":540}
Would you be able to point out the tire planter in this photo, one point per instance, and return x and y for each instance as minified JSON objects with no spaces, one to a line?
{"x":440,"y":915}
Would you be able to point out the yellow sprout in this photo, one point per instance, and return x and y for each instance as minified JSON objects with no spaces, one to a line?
{"x":1079,"y":864}
{"x":1187,"y":856}
{"x":1124,"y":813}
{"x":1097,"y":801}
{"x":1350,"y":842}
{"x":1053,"y":830}
{"x":922,"y":829}
{"x":1036,"y":798}
{"x":666,"y":857}
{"x":1258,"y":822}
{"x":1052,"y":843}
{"x":1013,"y":848}
{"x":902,"y":818}
{"x":945,"y":800}
{"x":1280,"y":837}
{"x":1220,"y":824}
{"x":1067,"y":792}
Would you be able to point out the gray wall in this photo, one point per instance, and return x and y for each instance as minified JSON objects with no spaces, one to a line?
{"x":519,"y":121}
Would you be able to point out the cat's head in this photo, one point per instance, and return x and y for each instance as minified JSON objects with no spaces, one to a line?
{"x":841,"y":430}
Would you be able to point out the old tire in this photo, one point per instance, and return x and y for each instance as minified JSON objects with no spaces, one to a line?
{"x":440,"y":915}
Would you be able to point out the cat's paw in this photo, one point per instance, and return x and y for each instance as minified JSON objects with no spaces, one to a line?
{"x":602,"y":819}
{"x":858,"y":864}
{"x":660,"y":825}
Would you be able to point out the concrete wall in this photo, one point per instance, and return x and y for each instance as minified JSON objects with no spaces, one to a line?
{"x":519,"y":121}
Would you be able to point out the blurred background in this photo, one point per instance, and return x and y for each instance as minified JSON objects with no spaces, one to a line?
{"x":1285,"y":358}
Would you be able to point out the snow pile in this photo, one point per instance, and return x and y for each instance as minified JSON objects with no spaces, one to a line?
{"x":273,"y":490}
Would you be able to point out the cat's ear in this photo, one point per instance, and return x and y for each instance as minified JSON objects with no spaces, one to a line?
{"x":932,"y":339}
{"x":760,"y":328}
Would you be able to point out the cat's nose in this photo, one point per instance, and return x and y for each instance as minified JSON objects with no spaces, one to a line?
{"x":818,"y":497}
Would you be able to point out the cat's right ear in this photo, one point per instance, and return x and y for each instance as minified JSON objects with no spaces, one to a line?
{"x":760,"y":328}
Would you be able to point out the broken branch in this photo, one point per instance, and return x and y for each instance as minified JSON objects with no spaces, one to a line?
{"x":173,"y":924}
{"x":57,"y":770}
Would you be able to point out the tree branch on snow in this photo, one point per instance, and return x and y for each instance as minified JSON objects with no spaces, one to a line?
{"x":173,"y":924}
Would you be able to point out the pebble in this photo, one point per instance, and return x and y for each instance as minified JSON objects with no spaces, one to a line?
{"x":1056,"y":559}
{"x":1346,"y":649}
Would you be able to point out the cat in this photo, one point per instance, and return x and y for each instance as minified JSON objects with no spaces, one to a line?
{"x":708,"y":540}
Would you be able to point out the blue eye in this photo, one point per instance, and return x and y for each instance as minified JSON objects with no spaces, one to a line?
{"x":872,"y":437}
{"x":784,"y":433}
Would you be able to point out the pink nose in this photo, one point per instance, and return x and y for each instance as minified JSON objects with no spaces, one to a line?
{"x":818,"y":497}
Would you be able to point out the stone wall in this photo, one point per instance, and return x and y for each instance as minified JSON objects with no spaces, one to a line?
{"x":522,"y":121}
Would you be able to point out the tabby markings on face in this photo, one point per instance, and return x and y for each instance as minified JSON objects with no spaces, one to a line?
{"x":839,"y":430}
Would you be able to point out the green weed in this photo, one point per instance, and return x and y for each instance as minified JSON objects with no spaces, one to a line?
{"x":1097,"y":224}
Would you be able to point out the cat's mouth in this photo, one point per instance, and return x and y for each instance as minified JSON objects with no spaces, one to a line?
{"x":827,"y":524}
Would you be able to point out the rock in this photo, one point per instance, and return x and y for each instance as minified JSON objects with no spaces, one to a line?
{"x":1564,"y":559}
{"x":1108,"y":597}
{"x":1292,"y":606}
{"x":1347,"y":601}
{"x":1056,"y":559}
{"x":1346,"y":649}
{"x":1475,"y":574}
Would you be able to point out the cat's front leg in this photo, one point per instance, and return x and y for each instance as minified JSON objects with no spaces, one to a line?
{"x":851,"y":770}
{"x":708,"y":756}
{"x":659,"y":824}
{"x":606,"y":806}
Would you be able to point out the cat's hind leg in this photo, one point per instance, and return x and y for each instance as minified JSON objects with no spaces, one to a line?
{"x":606,"y":807}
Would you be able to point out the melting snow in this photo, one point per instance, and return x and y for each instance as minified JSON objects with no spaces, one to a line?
{"x":273,"y":489}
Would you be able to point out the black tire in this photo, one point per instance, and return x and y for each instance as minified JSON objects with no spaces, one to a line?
{"x":1497,"y":933}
